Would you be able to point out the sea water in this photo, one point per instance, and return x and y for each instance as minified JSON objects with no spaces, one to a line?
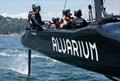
{"x":14,"y":67}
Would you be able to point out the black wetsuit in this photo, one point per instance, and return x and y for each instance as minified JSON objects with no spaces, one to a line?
{"x":79,"y":23}
{"x":35,"y":18}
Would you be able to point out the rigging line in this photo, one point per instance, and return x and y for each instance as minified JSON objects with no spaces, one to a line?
{"x":119,"y":7}
{"x":65,"y":4}
{"x":92,"y":3}
{"x":103,"y":2}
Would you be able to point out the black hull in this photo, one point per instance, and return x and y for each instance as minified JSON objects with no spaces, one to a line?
{"x":100,"y":50}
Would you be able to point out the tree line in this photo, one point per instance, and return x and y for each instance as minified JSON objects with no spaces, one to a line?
{"x":10,"y":25}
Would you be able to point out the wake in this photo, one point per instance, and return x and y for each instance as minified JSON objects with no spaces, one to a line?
{"x":18,"y":61}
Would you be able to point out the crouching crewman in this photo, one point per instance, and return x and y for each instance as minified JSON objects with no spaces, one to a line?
{"x":34,"y":18}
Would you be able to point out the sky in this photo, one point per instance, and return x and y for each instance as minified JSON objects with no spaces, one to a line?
{"x":51,"y":8}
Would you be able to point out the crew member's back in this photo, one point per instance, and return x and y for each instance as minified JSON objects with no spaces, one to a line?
{"x":78,"y":21}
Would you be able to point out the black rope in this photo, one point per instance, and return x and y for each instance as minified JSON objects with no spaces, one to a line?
{"x":119,"y":7}
{"x":103,"y":2}
{"x":65,"y":4}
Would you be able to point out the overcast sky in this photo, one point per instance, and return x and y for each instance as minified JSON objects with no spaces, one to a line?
{"x":51,"y":8}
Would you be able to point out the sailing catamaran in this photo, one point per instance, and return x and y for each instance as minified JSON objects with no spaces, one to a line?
{"x":95,"y":47}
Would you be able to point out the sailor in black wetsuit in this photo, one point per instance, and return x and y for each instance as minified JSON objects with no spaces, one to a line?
{"x":55,"y":23}
{"x":78,"y":21}
{"x":34,"y":18}
{"x":67,"y":19}
{"x":39,"y":21}
{"x":31,"y":13}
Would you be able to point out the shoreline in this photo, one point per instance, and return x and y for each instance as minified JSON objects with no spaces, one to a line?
{"x":13,"y":34}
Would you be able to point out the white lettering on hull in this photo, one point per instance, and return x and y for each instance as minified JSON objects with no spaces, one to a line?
{"x":81,"y":49}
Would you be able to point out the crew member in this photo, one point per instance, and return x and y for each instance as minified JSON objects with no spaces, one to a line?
{"x":55,"y":23}
{"x":32,"y":13}
{"x":39,"y":21}
{"x":34,"y":18}
{"x":78,"y":20}
{"x":67,"y":19}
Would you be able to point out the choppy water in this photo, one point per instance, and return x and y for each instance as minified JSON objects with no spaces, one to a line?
{"x":13,"y":65}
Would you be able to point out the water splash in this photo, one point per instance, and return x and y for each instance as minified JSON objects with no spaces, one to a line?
{"x":17,"y":53}
{"x":13,"y":62}
{"x":17,"y":62}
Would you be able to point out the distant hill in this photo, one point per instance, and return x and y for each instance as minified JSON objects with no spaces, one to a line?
{"x":1,"y":18}
{"x":10,"y":25}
